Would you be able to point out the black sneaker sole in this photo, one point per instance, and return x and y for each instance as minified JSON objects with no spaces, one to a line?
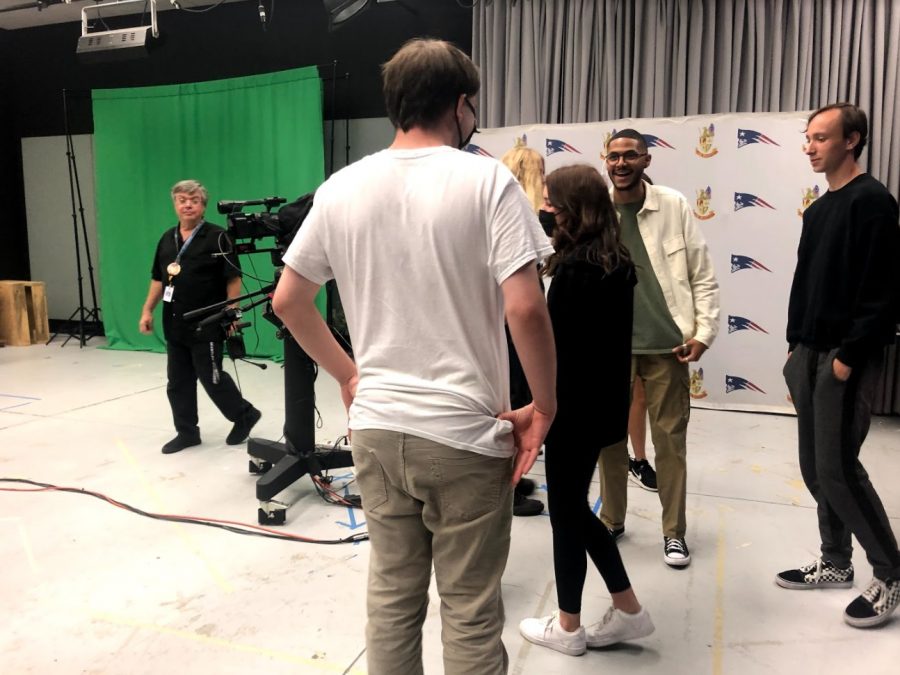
{"x":803,"y":586}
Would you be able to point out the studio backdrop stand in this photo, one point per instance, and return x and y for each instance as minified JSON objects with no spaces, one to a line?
{"x":87,"y":324}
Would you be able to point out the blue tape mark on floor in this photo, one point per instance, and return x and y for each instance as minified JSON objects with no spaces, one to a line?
{"x":351,"y":515}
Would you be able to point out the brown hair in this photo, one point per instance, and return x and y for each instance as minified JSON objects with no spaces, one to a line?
{"x":853,"y":118}
{"x":424,"y":79}
{"x":587,"y":219}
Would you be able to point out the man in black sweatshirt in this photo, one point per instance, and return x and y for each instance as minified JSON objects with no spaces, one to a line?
{"x":843,"y":310}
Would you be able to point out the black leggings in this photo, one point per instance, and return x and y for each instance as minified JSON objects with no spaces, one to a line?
{"x":570,"y":467}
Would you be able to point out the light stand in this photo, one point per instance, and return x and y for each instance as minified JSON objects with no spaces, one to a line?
{"x":88,"y":319}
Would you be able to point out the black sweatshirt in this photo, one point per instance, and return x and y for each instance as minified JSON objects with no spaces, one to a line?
{"x":846,"y":289}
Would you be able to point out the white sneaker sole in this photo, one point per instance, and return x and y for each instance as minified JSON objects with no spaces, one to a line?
{"x":637,"y":481}
{"x":676,"y":562}
{"x":803,"y":586}
{"x":556,"y":646}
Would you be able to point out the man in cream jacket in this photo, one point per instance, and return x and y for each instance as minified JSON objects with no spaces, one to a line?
{"x":676,"y":318}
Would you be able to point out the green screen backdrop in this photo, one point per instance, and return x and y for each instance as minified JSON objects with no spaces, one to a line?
{"x":244,"y":138}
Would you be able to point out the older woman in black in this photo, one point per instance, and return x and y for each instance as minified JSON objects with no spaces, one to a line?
{"x":590,"y":302}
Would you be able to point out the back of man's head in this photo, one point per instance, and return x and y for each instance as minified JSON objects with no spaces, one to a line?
{"x":423,"y":81}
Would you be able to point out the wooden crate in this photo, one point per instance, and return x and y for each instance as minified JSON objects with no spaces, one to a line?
{"x":23,"y":313}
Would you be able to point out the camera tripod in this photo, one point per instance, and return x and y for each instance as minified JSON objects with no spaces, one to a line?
{"x":282,"y":464}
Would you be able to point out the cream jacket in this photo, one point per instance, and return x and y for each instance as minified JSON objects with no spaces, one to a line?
{"x":681,"y":262}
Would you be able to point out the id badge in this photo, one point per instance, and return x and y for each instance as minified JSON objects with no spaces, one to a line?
{"x":168,"y":294}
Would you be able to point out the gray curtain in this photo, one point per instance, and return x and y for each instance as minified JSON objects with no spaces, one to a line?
{"x":564,"y":61}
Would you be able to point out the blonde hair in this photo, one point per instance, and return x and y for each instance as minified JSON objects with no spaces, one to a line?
{"x":527,"y":166}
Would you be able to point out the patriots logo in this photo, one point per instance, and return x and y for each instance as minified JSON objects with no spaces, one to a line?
{"x":734,"y":383}
{"x":736,"y":323}
{"x":748,"y":136}
{"x":477,"y":150}
{"x":555,"y":145}
{"x":745,"y":262}
{"x":656,"y":142}
{"x":744,"y":199}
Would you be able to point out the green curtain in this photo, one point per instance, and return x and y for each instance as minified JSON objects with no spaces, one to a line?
{"x":243,"y":138}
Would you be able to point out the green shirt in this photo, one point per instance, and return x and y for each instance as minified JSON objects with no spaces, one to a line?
{"x":654,"y":330}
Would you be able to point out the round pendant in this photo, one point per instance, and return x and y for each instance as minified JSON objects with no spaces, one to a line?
{"x":173,"y":269}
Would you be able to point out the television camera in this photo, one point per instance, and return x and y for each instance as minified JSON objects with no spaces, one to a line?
{"x":278,"y":464}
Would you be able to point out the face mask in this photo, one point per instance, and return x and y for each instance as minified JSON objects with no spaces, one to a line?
{"x":548,"y":221}
{"x":464,"y":142}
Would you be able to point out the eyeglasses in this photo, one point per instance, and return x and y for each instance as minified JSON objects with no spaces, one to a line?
{"x":630,"y":156}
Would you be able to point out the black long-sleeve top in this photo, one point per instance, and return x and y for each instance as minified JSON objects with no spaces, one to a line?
{"x":846,"y":289}
{"x":591,"y":312}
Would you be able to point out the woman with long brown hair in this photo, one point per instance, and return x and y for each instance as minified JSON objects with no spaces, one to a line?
{"x":591,"y":303}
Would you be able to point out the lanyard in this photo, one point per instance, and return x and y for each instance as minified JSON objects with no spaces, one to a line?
{"x":187,"y":243}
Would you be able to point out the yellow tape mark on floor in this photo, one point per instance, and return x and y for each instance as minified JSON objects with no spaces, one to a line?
{"x":26,"y":542}
{"x":719,"y":617}
{"x":189,"y":542}
{"x":286,"y":657}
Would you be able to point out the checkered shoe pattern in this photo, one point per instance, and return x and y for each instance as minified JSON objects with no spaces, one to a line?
{"x":817,"y":574}
{"x":875,"y":605}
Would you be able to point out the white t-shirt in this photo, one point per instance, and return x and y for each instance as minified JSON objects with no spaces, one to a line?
{"x":419,"y":242}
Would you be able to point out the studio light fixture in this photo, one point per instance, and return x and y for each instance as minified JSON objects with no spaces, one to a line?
{"x":119,"y":44}
{"x":341,"y":11}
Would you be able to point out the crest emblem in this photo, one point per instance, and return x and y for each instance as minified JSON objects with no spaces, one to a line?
{"x":703,"y":210}
{"x":705,"y":147}
{"x":809,"y":196}
{"x":696,"y":384}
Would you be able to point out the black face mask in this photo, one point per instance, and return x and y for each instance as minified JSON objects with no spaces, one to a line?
{"x":464,"y":142}
{"x":548,"y":221}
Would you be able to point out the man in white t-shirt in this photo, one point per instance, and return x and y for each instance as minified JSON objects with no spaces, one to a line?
{"x":429,"y":247}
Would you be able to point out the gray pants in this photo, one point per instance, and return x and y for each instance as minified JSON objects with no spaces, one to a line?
{"x":833,"y":420}
{"x":427,"y":503}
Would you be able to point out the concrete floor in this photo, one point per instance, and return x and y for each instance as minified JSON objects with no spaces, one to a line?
{"x":90,"y":588}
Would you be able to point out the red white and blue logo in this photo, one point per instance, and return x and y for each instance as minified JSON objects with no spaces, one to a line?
{"x":736,"y":323}
{"x":745,"y":262}
{"x":742,"y":200}
{"x":735,"y":383}
{"x":656,"y":142}
{"x":477,"y":150}
{"x":748,"y":136}
{"x":555,"y":145}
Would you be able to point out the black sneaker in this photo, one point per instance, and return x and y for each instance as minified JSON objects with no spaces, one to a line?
{"x":180,"y":442}
{"x":616,"y":533}
{"x":525,"y":487}
{"x":817,"y":574}
{"x":875,"y":605}
{"x":523,"y":506}
{"x":642,"y":474}
{"x":241,"y":429}
{"x":675,"y":552}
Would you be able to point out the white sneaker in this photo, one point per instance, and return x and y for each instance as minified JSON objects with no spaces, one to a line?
{"x":547,"y":632}
{"x":618,"y":626}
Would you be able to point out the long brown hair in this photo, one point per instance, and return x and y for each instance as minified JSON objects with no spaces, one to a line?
{"x":587,"y":221}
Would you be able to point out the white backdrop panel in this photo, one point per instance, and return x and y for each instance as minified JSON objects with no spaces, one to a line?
{"x":748,"y":182}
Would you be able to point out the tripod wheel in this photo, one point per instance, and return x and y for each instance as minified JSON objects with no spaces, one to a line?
{"x":276,"y":517}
